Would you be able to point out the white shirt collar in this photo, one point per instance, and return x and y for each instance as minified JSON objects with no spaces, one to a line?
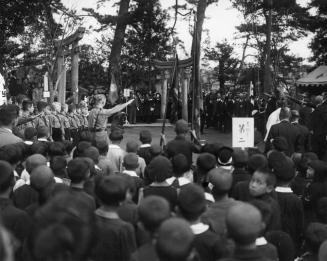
{"x":109,"y":215}
{"x":199,"y":228}
{"x":28,"y":142}
{"x":181,"y":180}
{"x":261,"y":241}
{"x":145,"y":145}
{"x":42,"y":139}
{"x":114,"y":146}
{"x":209,"y":197}
{"x":283,"y":190}
{"x":130,"y":173}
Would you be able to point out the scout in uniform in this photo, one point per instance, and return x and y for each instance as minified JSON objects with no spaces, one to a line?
{"x":26,"y":119}
{"x":98,"y":117}
{"x":57,"y":125}
{"x":74,"y":122}
{"x":65,"y":121}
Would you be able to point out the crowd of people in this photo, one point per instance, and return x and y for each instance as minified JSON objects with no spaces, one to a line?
{"x":70,"y":191}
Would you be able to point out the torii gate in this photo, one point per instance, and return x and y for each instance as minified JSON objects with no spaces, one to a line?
{"x":63,"y":50}
{"x":167,"y":66}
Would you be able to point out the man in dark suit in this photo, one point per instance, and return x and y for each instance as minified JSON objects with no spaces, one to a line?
{"x":318,"y":126}
{"x":287,"y":130}
{"x":305,"y":141}
{"x":8,"y":116}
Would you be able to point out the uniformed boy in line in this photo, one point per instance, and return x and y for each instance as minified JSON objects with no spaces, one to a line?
{"x":58,"y":131}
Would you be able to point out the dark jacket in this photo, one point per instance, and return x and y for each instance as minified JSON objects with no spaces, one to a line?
{"x":289,"y":132}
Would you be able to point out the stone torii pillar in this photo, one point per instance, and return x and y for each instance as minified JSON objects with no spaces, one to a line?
{"x":185,"y":90}
{"x":164,"y":93}
{"x":63,"y":50}
{"x":168,"y":66}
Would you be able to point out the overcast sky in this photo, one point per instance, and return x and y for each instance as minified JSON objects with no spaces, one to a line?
{"x":220,"y":23}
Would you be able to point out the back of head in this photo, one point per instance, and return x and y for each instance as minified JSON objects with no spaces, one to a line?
{"x":81,"y":147}
{"x":152,"y":211}
{"x":318,"y":100}
{"x":102,"y":146}
{"x":93,"y":154}
{"x":323,"y":251}
{"x":41,"y":105}
{"x":280,"y":144}
{"x":8,"y":113}
{"x":78,"y":170}
{"x":145,"y":136}
{"x":58,"y":165}
{"x":159,"y":169}
{"x":57,"y":148}
{"x":257,"y":161}
{"x":43,"y":132}
{"x":30,"y":133}
{"x":281,"y":166}
{"x":116,"y":135}
{"x":316,"y":233}
{"x":26,"y":105}
{"x":35,"y":161}
{"x":180,"y":165}
{"x":295,"y":115}
{"x":174,"y":242}
{"x":41,"y":177}
{"x":244,"y":223}
{"x":225,"y":156}
{"x":285,"y":113}
{"x":132,"y":146}
{"x":111,"y":190}
{"x":39,"y":147}
{"x":181,"y":127}
{"x":191,"y":201}
{"x":6,"y":177}
{"x":131,"y":161}
{"x":212,"y":148}
{"x":240,"y":158}
{"x":206,"y":162}
{"x":222,"y":180}
{"x":11,"y":153}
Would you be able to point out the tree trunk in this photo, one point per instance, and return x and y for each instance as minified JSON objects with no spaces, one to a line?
{"x":267,"y":75}
{"x":240,"y":69}
{"x":196,"y":47}
{"x":115,"y":54}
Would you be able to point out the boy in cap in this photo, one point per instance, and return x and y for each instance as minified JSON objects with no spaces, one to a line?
{"x":191,"y":205}
{"x":180,"y":144}
{"x":144,"y":150}
{"x":220,"y":181}
{"x":174,"y":241}
{"x":132,"y":147}
{"x":78,"y":171}
{"x":244,"y":224}
{"x":115,"y":238}
{"x":104,"y":163}
{"x":131,"y":164}
{"x":291,"y":207}
{"x":159,"y":169}
{"x":152,"y":211}
{"x":240,"y":159}
{"x":224,"y":158}
{"x":116,"y":153}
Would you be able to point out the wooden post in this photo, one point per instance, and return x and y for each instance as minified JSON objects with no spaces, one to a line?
{"x":164,"y":93}
{"x":74,"y":72}
{"x":61,"y":75}
{"x":186,"y":79}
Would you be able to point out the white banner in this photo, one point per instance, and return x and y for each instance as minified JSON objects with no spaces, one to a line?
{"x":243,"y":132}
{"x":3,"y":93}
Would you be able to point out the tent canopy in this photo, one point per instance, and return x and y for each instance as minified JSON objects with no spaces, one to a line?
{"x":316,"y":81}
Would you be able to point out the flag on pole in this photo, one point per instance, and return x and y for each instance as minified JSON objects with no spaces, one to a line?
{"x":251,"y":89}
{"x":173,"y":92}
{"x":113,"y":91}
